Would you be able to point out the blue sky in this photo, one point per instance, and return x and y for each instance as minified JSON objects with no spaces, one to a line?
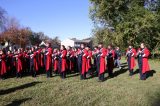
{"x":63,"y":18}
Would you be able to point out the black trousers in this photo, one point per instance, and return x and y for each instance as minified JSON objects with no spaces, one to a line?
{"x":19,"y":74}
{"x":143,"y":76}
{"x":130,"y":72}
{"x":3,"y":76}
{"x":49,"y":73}
{"x":101,"y":77}
{"x":83,"y":76}
{"x":63,"y":75}
{"x":33,"y":71}
{"x":110,"y":72}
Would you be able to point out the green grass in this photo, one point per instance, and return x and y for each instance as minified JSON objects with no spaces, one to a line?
{"x":121,"y":90}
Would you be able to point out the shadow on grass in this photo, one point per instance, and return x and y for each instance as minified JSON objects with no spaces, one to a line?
{"x":136,"y":71}
{"x":18,"y":102}
{"x":150,"y":73}
{"x":73,"y":75}
{"x":119,"y":72}
{"x":10,"y":90}
{"x":125,"y":63}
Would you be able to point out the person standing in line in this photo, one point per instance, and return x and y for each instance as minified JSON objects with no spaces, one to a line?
{"x":131,"y":53}
{"x":63,"y":62}
{"x":117,"y":58}
{"x":143,"y":54}
{"x":110,"y":60}
{"x":3,"y":68}
{"x":101,"y":62}
{"x":48,"y":60}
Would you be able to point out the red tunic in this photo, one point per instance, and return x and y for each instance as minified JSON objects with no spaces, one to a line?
{"x":49,"y":59}
{"x":145,"y":63}
{"x":24,"y":65}
{"x":132,"y":61}
{"x":39,"y":58}
{"x":84,"y":61}
{"x":35,"y":60}
{"x":63,"y":60}
{"x":3,"y":65}
{"x":55,"y":61}
{"x":103,"y":53}
{"x":89,"y":59}
{"x":19,"y":62}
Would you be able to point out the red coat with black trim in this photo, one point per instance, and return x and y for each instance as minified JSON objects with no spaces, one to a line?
{"x":19,"y":62}
{"x":89,"y":57}
{"x":102,"y":54}
{"x":84,"y":61}
{"x":35,"y":60}
{"x":133,"y":55}
{"x":63,"y":60}
{"x":145,"y":63}
{"x":49,"y":59}
{"x":3,"y":65}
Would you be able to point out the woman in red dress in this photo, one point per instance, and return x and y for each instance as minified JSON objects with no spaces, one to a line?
{"x":131,"y":54}
{"x":63,"y":62}
{"x":3,"y":68}
{"x":48,"y":60}
{"x":143,"y":54}
{"x":55,"y":61}
{"x":19,"y":58}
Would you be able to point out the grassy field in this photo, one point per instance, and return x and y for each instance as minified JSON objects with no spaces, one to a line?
{"x":121,"y":90}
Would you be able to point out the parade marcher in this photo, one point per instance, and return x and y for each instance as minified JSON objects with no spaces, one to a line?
{"x":79,"y":58}
{"x":48,"y":64}
{"x":63,"y":64}
{"x":82,"y":61}
{"x":117,"y":58}
{"x":89,"y":61}
{"x":110,"y":60}
{"x":75,"y":60}
{"x":9,"y":63}
{"x":101,"y":61}
{"x":42,"y":60}
{"x":55,"y":60}
{"x":34,"y":62}
{"x":143,"y":54}
{"x":3,"y":68}
{"x":131,"y":53}
{"x":27,"y":60}
{"x":96,"y":61}
{"x":19,"y":58}
{"x":70,"y":59}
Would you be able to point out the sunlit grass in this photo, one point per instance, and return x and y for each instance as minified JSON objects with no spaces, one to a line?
{"x":121,"y":90}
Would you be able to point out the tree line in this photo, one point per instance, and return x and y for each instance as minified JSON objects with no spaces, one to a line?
{"x":123,"y":22}
{"x":12,"y":32}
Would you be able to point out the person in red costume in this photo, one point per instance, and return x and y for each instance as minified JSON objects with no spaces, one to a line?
{"x":48,"y":61}
{"x":89,"y":61}
{"x":3,"y":68}
{"x":110,"y":60}
{"x":9,"y":63}
{"x":55,"y":60}
{"x":34,"y":62}
{"x":131,"y":54}
{"x":143,"y":54}
{"x":19,"y":58}
{"x":101,"y":61}
{"x":63,"y":65}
